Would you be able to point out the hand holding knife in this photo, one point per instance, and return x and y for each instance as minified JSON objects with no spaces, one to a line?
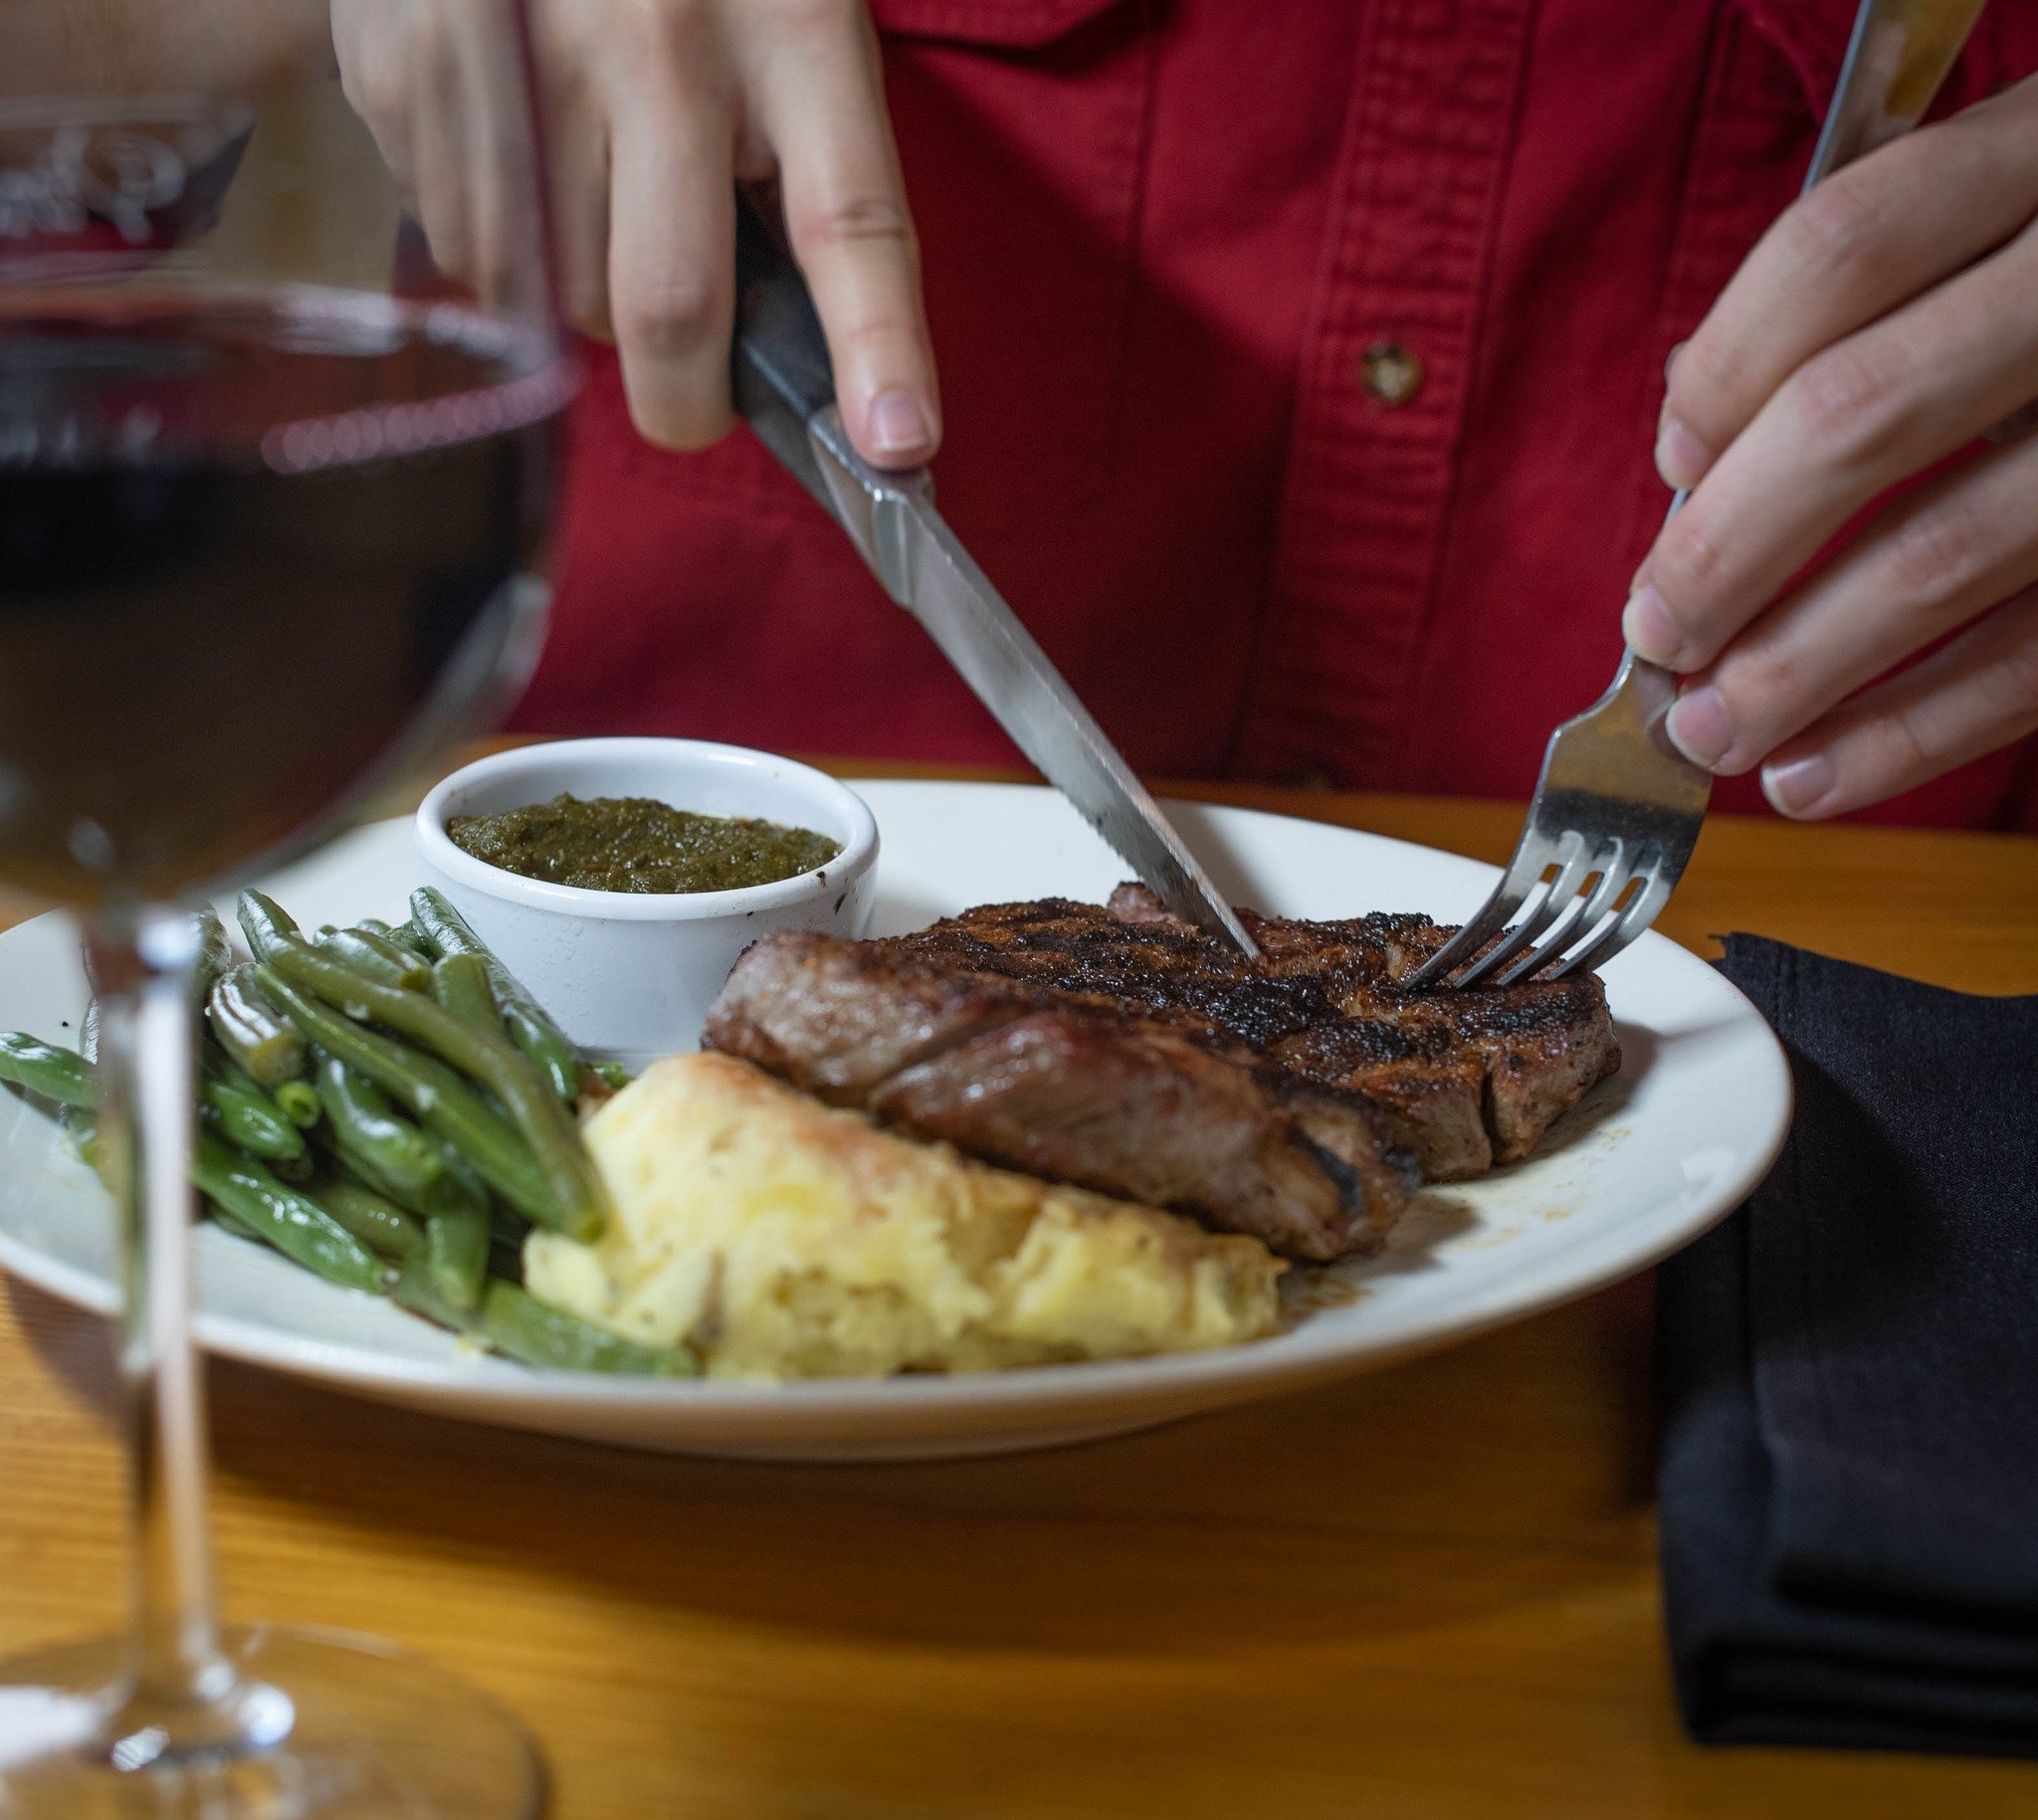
{"x":785,"y":390}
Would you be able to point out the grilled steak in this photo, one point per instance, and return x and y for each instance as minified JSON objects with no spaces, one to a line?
{"x":1120,"y":1048}
{"x":1466,"y":1080}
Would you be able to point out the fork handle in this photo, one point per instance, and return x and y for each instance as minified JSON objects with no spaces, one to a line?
{"x":1897,"y":60}
{"x":1898,"y":56}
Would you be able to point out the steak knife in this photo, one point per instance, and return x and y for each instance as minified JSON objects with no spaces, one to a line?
{"x":785,"y":390}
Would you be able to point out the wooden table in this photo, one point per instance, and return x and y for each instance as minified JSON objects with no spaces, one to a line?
{"x":1428,"y":1592}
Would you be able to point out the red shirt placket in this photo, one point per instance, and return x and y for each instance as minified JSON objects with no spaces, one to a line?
{"x":1382,"y":388}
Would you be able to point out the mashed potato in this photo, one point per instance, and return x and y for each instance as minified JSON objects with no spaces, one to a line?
{"x":785,"y":1239}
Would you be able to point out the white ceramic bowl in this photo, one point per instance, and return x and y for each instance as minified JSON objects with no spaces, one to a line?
{"x":630,"y":975}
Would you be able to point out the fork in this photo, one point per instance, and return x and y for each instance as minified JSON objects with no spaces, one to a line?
{"x":1617,"y":809}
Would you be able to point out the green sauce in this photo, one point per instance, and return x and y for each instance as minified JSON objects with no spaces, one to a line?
{"x":630,"y":843}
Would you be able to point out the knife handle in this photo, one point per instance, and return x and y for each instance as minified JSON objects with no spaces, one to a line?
{"x":784,"y":388}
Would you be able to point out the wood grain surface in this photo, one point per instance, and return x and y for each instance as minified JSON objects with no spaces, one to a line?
{"x":1429,"y":1592}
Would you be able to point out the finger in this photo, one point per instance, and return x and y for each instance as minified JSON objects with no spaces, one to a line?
{"x":376,"y":82}
{"x":1976,"y":695}
{"x":1926,"y":566}
{"x":1880,"y":407}
{"x":581,"y":177}
{"x":672,"y":256}
{"x":1856,"y":246}
{"x":822,"y":106}
{"x":439,"y":154}
{"x":499,"y":229}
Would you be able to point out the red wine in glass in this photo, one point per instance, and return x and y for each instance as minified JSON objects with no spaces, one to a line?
{"x":248,"y":549}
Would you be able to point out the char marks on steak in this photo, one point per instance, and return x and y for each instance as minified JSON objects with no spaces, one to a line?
{"x":1125,"y":1050}
{"x":1466,"y":1080}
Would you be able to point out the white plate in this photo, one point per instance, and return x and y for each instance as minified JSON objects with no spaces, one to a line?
{"x":1650,"y":1161}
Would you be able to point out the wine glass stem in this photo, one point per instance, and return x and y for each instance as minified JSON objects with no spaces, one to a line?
{"x":180,"y":1686}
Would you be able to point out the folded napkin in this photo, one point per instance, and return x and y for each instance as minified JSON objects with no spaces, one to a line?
{"x":1849,"y":1477}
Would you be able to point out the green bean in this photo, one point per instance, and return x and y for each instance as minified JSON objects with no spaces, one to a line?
{"x":612,"y":1075}
{"x":455,"y":1169}
{"x":417,"y":1289}
{"x":542,"y":1042}
{"x":264,"y":921}
{"x":517,"y":1324}
{"x":405,"y":1195}
{"x":377,"y":958}
{"x":284,"y":1099}
{"x":379,"y":1224}
{"x":250,"y":1029}
{"x":483,"y":1056}
{"x":399,"y":939}
{"x":457,"y":1188}
{"x":300,"y":1103}
{"x":406,"y":936}
{"x":456,"y":1254}
{"x":247,"y":1122}
{"x":45,"y":1069}
{"x":434,"y":1094}
{"x":455,"y":1191}
{"x":229,"y":1222}
{"x":214,"y":1060}
{"x":214,"y":957}
{"x":366,"y":1124}
{"x":459,"y":983}
{"x":294,"y":1224}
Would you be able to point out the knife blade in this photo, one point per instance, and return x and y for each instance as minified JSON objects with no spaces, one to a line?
{"x":785,"y":390}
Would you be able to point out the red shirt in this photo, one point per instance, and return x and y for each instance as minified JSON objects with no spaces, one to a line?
{"x":1301,"y":361}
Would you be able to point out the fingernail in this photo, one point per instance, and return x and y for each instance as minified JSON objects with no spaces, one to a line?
{"x":1700,"y":727}
{"x":1648,"y":628}
{"x":1798,"y":786}
{"x":1681,"y":459}
{"x":898,"y":424}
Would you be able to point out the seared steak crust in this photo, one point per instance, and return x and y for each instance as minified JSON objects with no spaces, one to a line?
{"x":1466,"y":1080}
{"x":1126,"y":1051}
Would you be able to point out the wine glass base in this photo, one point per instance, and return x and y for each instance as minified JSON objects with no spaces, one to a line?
{"x":362,"y":1731}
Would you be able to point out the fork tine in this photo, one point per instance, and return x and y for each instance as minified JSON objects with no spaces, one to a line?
{"x":1493,"y":915}
{"x":1590,"y":911}
{"x":1575,"y":859}
{"x":1606,"y":894}
{"x":1577,"y":916}
{"x":1594,"y":922}
{"x":1641,"y":911}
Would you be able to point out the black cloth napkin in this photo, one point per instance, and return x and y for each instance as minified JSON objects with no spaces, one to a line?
{"x":1849,"y":1475}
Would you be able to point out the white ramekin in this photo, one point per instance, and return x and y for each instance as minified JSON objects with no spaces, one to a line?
{"x":630,"y":975}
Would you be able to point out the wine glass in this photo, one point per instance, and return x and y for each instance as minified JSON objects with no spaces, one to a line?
{"x":272,"y":489}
